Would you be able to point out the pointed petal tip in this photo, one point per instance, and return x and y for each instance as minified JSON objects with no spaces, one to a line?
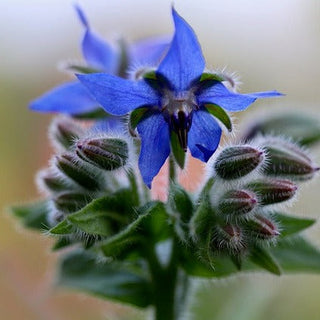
{"x":81,"y":15}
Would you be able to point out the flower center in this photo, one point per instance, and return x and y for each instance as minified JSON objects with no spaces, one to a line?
{"x":178,"y":110}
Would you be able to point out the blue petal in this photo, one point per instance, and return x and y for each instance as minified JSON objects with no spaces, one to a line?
{"x":231,"y":101}
{"x":149,"y":51}
{"x":184,"y":61}
{"x":155,"y":145}
{"x":204,"y":135}
{"x":119,"y":96}
{"x":96,"y":51}
{"x":69,"y":98}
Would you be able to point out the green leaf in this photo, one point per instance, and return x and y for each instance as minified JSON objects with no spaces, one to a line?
{"x":105,"y":216}
{"x":220,"y":114}
{"x":33,"y":215}
{"x":156,"y":225}
{"x":290,"y":225}
{"x":62,"y":243}
{"x":263,"y":258}
{"x":80,"y":270}
{"x":177,"y":151}
{"x":180,"y":202}
{"x":296,"y":254}
{"x":62,"y":228}
{"x":135,"y":117}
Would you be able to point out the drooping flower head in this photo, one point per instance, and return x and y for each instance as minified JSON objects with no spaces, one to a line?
{"x":176,"y":101}
{"x":100,"y":56}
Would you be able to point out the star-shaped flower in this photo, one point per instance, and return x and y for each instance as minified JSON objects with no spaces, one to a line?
{"x":177,"y":99}
{"x":100,"y":56}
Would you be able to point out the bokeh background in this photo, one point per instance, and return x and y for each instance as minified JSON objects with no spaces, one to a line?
{"x":272,"y":44}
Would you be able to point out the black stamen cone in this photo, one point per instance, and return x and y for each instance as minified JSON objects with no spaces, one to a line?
{"x":181,"y":124}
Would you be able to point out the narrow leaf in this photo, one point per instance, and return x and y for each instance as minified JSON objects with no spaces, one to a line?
{"x":297,"y":255}
{"x":263,"y":258}
{"x":33,"y":215}
{"x":62,"y":228}
{"x":290,"y":225}
{"x":80,"y":270}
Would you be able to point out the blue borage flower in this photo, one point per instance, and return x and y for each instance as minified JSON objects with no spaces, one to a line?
{"x":72,"y":97}
{"x":176,"y":99}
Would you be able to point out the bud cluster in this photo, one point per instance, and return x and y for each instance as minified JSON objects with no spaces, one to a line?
{"x":249,"y":182}
{"x":83,"y":168}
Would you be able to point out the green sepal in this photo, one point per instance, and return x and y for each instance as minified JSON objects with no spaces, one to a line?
{"x":105,"y":216}
{"x":290,"y":225}
{"x":97,"y":113}
{"x":176,"y":149}
{"x":82,"y":270}
{"x":62,"y":228}
{"x":263,"y":258}
{"x":220,"y":114}
{"x":82,"y":69}
{"x":296,"y":254}
{"x":135,"y":117}
{"x":206,"y":76}
{"x":33,"y":215}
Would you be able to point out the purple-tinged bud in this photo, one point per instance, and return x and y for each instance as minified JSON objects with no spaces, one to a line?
{"x":287,"y":160}
{"x":260,"y":227}
{"x":273,"y":190}
{"x":64,"y":131}
{"x":237,"y":161}
{"x":51,"y":181}
{"x":71,"y":167}
{"x":104,"y":153}
{"x":237,"y":203}
{"x":71,"y":201}
{"x":228,"y":238}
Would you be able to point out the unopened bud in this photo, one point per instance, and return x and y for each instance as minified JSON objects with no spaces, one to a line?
{"x":287,"y":160}
{"x":227,"y":238}
{"x":71,"y":201}
{"x":64,"y":131}
{"x":237,"y":203}
{"x":105,"y":153}
{"x":70,"y":166}
{"x":262,"y":228}
{"x":52,"y":181}
{"x":273,"y":191}
{"x":237,"y":161}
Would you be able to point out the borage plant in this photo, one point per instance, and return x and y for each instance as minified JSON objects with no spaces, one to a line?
{"x":125,"y":246}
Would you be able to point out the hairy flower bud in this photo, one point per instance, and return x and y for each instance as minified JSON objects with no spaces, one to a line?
{"x":272,"y":191}
{"x":262,"y":228}
{"x":64,"y":131}
{"x":71,"y":167}
{"x":288,"y":160}
{"x":237,"y":161}
{"x":51,"y":181}
{"x":105,"y":153}
{"x":71,"y":201}
{"x":237,"y":203}
{"x":227,"y":238}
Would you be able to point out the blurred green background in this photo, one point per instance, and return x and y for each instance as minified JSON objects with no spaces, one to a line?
{"x":272,"y":44}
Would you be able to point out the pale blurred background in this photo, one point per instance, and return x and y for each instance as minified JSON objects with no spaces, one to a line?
{"x":272,"y":44}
